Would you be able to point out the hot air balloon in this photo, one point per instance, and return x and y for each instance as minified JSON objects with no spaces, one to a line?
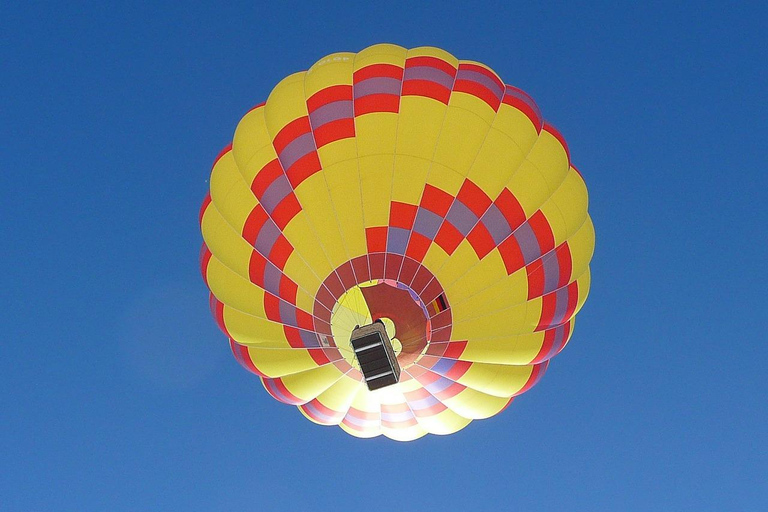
{"x":396,"y":242}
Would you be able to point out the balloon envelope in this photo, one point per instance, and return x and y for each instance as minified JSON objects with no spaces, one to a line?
{"x":406,"y":186}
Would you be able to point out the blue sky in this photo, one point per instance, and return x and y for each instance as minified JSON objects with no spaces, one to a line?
{"x":118,"y":392}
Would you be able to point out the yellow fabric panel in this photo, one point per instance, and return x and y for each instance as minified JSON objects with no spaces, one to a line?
{"x":551,"y":159}
{"x":350,"y":311}
{"x":380,"y":54}
{"x":390,"y":395}
{"x":483,"y":275}
{"x":431,"y":51}
{"x":421,"y":120}
{"x":529,"y":187}
{"x":408,"y":172}
{"x":342,"y":150}
{"x":443,"y":423}
{"x":278,"y":362}
{"x":308,"y":385}
{"x":365,"y":401}
{"x":475,"y":405}
{"x":376,"y":184}
{"x":517,"y":126}
{"x":251,"y":136}
{"x":496,"y":379}
{"x":338,"y":397}
{"x":317,"y":206}
{"x":540,"y":174}
{"x":250,"y":330}
{"x":306,"y":300}
{"x":237,"y":206}
{"x":304,"y":276}
{"x":435,"y":258}
{"x":234,"y":290}
{"x":376,"y":134}
{"x":566,"y":208}
{"x":506,"y":349}
{"x":518,"y":319}
{"x":223,"y":176}
{"x":344,"y":186}
{"x":456,"y":265}
{"x":533,"y":315}
{"x":497,"y":159}
{"x":260,"y":158}
{"x":505,"y":292}
{"x":466,"y":105}
{"x":555,"y":220}
{"x":305,"y":243}
{"x":404,"y":434}
{"x":446,"y":179}
{"x":406,"y":385}
{"x":334,"y":69}
{"x":227,"y":192}
{"x":286,"y":103}
{"x":584,"y":282}
{"x":572,"y":200}
{"x":582,"y":245}
{"x":222,"y":240}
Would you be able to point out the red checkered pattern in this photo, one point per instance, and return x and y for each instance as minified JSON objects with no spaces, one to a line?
{"x":340,"y":124}
{"x":379,"y":89}
{"x":427,"y":86}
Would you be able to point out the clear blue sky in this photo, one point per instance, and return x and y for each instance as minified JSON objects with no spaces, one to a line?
{"x":118,"y":393}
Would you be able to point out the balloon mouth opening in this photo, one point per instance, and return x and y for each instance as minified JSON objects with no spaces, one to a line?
{"x":399,"y":309}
